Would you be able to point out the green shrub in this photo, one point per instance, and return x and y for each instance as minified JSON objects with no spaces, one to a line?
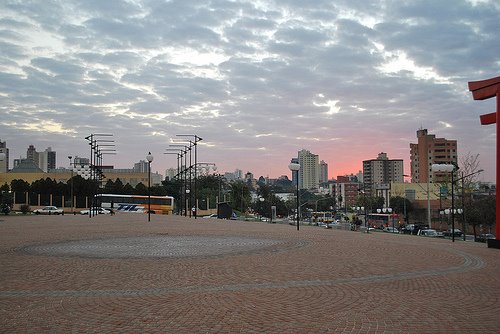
{"x":25,"y":208}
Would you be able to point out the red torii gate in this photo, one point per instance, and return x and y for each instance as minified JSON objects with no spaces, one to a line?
{"x":482,"y":90}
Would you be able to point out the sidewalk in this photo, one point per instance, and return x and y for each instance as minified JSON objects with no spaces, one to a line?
{"x":121,"y":274}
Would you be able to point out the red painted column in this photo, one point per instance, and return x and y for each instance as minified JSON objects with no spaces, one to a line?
{"x":482,"y":90}
{"x":497,"y":220}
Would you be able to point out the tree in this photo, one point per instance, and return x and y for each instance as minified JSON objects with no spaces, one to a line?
{"x":44,"y":186}
{"x":370,"y":202}
{"x":115,"y":187}
{"x":128,"y":189}
{"x":173,"y":188}
{"x":398,"y":205}
{"x":20,"y":186}
{"x":481,"y":212}
{"x":241,"y":197}
{"x":141,"y":189}
{"x":158,"y":191}
{"x":469,"y":165}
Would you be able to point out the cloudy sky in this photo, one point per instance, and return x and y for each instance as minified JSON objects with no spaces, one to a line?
{"x":257,"y":80}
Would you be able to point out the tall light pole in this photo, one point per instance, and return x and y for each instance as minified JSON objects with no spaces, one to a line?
{"x":295,"y":167}
{"x":195,"y":144}
{"x":449,"y":168}
{"x":404,"y":200}
{"x":71,"y":166}
{"x":188,"y":197}
{"x":149,"y":158}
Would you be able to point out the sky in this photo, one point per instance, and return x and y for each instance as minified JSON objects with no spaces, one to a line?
{"x":256,"y":80}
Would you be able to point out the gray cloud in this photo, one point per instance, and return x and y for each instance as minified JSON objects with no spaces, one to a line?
{"x":261,"y":80}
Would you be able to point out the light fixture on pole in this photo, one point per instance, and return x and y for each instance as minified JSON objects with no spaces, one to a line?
{"x":149,"y":158}
{"x":295,"y":167}
{"x":187,"y":203}
{"x":449,"y":168}
{"x":71,"y":192}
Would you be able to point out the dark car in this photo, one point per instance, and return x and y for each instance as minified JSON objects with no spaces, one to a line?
{"x":456,"y":233}
{"x":484,"y":237}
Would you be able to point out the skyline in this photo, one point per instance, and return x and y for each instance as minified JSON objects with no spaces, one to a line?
{"x":258,"y":81}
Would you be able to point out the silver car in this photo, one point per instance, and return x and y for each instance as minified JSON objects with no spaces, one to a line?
{"x":97,"y":211}
{"x":48,"y":210}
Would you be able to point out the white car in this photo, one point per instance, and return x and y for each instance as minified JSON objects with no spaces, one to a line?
{"x":99,"y":211}
{"x":48,"y":210}
{"x":391,"y":230}
{"x":428,"y":233}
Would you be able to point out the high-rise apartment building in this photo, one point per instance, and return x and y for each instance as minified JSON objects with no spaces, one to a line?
{"x":379,"y":173}
{"x":4,"y":160}
{"x":431,"y":150}
{"x":142,"y":166}
{"x":47,"y":160}
{"x":309,"y":170}
{"x":78,"y":161}
{"x":32,"y":154}
{"x":323,"y":172}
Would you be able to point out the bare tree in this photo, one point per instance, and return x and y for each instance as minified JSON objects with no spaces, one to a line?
{"x":469,"y":164}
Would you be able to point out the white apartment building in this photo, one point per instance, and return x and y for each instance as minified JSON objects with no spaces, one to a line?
{"x":379,"y":173}
{"x":309,"y":170}
{"x":323,"y":172}
{"x":47,"y":160}
{"x":4,"y":157}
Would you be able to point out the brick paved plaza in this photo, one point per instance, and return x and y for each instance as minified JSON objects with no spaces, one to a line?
{"x":121,"y":274}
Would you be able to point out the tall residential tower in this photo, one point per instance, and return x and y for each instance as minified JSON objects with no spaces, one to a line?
{"x":4,"y":162}
{"x":430,"y":150}
{"x":309,"y":170}
{"x":379,"y":173}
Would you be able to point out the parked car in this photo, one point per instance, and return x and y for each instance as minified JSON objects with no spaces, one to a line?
{"x":456,"y":233}
{"x":213,"y":215}
{"x":335,"y":224}
{"x":99,"y":211}
{"x":390,"y":229}
{"x":428,"y":233}
{"x":48,"y":210}
{"x":484,"y":237}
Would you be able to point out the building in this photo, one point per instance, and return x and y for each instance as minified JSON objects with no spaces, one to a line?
{"x":309,"y":170}
{"x":323,"y":172}
{"x":81,"y":161}
{"x":428,"y":151}
{"x":379,"y":173}
{"x":32,"y":154}
{"x":170,"y":173}
{"x":4,"y":157}
{"x":141,"y":166}
{"x":346,"y":194}
{"x":47,"y":159}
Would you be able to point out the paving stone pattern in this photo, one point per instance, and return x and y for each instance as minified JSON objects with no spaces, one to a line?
{"x":121,"y":274}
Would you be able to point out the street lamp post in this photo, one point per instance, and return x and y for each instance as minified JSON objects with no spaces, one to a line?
{"x":71,"y":193}
{"x":195,"y":144}
{"x":295,"y":167}
{"x":449,"y":168}
{"x":187,"y":204}
{"x":149,"y":158}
